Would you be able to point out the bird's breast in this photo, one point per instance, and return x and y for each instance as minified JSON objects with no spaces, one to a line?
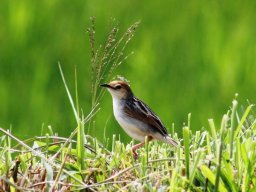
{"x":134,"y":128}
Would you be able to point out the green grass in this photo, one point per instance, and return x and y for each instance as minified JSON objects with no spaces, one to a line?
{"x":219,"y":158}
{"x":203,"y":162}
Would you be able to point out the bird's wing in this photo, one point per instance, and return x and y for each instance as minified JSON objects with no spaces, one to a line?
{"x":139,"y":110}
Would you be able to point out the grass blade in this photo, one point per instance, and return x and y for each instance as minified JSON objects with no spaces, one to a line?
{"x":246,"y":113}
{"x":212,"y":129}
{"x":186,"y":149}
{"x":194,"y":168}
{"x":69,"y":95}
{"x":233,"y":116}
{"x":211,"y":177}
{"x":219,"y":157}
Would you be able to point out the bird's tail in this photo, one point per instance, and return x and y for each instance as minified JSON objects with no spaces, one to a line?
{"x":169,"y":140}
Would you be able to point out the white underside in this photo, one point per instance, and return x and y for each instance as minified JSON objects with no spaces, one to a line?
{"x":134,"y":128}
{"x":129,"y":125}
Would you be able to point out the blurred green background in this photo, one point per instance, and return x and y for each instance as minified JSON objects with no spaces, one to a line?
{"x":189,"y":57}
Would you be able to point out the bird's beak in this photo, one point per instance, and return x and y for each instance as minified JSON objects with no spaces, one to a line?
{"x":106,"y":85}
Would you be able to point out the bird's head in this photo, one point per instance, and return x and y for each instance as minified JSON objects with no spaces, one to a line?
{"x":118,"y":89}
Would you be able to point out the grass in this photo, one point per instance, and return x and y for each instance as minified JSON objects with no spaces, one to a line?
{"x":220,"y":158}
{"x":201,"y":163}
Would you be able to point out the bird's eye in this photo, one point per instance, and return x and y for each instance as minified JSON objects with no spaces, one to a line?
{"x":118,"y":87}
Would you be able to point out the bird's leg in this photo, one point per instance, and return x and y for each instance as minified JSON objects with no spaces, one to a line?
{"x":135,"y":147}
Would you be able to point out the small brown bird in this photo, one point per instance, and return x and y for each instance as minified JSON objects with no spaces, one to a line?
{"x":135,"y":117}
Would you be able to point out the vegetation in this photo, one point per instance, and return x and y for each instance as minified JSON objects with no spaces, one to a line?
{"x":217,"y":158}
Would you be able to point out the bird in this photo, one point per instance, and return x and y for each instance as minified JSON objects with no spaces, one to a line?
{"x":135,"y":117}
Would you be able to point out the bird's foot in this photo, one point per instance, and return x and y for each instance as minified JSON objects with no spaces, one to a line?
{"x":135,"y":155}
{"x":135,"y":147}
